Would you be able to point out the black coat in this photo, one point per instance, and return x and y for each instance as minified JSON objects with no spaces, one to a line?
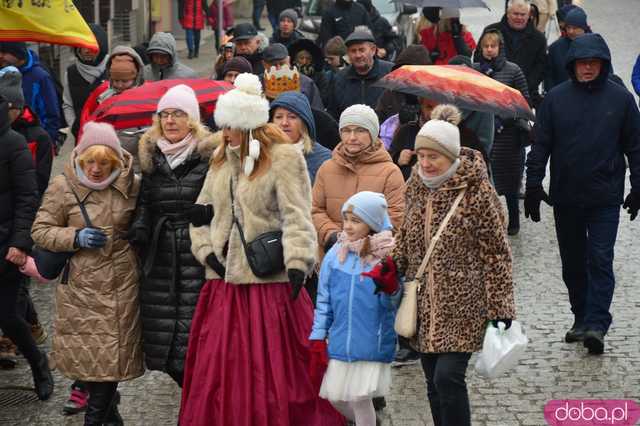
{"x":587,"y":129}
{"x":172,"y":277}
{"x":18,"y":190}
{"x":350,"y":88}
{"x":530,"y":54}
{"x":556,"y":71}
{"x":341,"y":19}
{"x":287,"y":42}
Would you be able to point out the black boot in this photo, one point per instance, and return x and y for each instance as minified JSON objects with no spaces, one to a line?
{"x":42,"y":378}
{"x":196,"y":52}
{"x":100,"y":405}
{"x":113,"y":417}
{"x":190,"y":55}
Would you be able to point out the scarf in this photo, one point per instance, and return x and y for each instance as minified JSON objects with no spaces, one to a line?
{"x":177,"y":153}
{"x":96,"y":186}
{"x":380,"y":245}
{"x":435,"y":182}
{"x":91,"y":72}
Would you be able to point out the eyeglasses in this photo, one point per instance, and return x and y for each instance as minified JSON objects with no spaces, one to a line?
{"x":358,"y":131}
{"x":177,"y":114}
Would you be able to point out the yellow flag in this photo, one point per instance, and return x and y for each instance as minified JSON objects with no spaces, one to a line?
{"x":45,"y":21}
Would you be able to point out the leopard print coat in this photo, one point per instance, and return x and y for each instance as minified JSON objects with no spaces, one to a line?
{"x":469,"y":279}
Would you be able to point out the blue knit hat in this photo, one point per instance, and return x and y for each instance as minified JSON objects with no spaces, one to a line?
{"x":371,"y":207}
{"x":297,"y":103}
{"x":561,"y":13}
{"x":577,"y":18}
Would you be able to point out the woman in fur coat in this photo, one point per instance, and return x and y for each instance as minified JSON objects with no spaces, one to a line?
{"x":248,"y":350}
{"x":174,"y":158}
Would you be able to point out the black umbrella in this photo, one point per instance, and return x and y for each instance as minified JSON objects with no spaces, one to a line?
{"x":456,"y":4}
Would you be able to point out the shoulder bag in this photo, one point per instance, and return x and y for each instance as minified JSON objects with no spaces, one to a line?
{"x":265,"y":254}
{"x":407,"y":316}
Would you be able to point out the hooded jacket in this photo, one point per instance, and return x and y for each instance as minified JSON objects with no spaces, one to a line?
{"x":40,"y":94}
{"x":172,"y":277}
{"x":340,"y":178}
{"x":39,"y":143}
{"x":18,"y":191}
{"x":82,"y":78}
{"x":587,"y":129}
{"x":165,"y":43}
{"x":97,"y":326}
{"x":468,"y":280}
{"x":351,"y":88}
{"x":530,"y":54}
{"x":104,"y":91}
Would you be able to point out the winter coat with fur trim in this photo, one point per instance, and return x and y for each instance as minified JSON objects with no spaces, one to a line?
{"x":172,"y":278}
{"x":97,"y":334}
{"x":279,"y":199}
{"x":468,"y":280}
{"x":339,"y":178}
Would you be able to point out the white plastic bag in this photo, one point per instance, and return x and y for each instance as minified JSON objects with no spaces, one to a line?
{"x":501,"y":349}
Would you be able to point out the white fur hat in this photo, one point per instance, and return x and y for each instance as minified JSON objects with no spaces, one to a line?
{"x":243,"y":108}
{"x":441,"y":133}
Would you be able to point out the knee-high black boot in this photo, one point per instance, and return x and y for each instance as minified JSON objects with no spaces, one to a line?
{"x":103,"y":397}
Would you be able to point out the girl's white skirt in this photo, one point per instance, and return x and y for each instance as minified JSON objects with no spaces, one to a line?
{"x":353,"y":381}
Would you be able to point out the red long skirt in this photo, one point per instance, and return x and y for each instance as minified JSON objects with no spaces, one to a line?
{"x":248,"y":357}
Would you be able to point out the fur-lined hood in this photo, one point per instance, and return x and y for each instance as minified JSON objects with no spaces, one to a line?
{"x":147,"y":147}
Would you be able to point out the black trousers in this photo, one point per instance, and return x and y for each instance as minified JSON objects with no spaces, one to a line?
{"x":25,"y":304}
{"x":447,"y":388}
{"x":12,"y":322}
{"x":102,"y":404}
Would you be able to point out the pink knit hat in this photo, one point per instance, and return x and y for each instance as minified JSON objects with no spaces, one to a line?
{"x":181,"y":97}
{"x":94,"y":133}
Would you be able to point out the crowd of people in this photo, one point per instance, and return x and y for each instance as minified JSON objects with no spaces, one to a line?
{"x":258,"y":256}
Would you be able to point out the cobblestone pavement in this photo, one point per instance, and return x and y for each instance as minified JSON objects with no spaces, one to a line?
{"x":551,"y":368}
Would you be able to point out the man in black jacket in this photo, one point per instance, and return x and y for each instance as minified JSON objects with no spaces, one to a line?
{"x":18,"y":205}
{"x":353,"y":84}
{"x":341,"y":19}
{"x":587,"y":126}
{"x":524,"y":44}
{"x":286,"y":32}
{"x":245,"y":37}
{"x":386,"y":39}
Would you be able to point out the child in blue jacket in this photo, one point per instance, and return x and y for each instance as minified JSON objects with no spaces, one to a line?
{"x":355,"y":313}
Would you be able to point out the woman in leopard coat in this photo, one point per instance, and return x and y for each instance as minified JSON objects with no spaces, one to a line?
{"x":468,"y":279}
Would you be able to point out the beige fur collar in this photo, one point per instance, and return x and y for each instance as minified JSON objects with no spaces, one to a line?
{"x":147,"y":147}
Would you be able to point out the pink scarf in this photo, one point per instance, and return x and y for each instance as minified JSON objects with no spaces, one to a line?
{"x":380,"y":245}
{"x":177,"y":153}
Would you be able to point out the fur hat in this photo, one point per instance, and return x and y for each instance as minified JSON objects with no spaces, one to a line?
{"x":11,"y":86}
{"x":371,"y":207}
{"x":181,"y":97}
{"x":441,"y":133}
{"x":243,"y":108}
{"x":94,"y":133}
{"x":363,"y":116}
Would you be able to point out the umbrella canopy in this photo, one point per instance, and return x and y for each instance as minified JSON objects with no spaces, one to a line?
{"x":458,"y":85}
{"x":456,"y":4}
{"x":135,"y":107}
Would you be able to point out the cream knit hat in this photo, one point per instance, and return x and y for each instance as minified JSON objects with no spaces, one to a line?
{"x":441,"y":133}
{"x":243,"y":108}
{"x":363,"y":116}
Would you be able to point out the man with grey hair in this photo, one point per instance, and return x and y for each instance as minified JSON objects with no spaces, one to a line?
{"x":524,"y":44}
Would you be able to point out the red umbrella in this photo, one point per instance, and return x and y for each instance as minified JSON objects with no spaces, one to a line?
{"x":458,"y":85}
{"x":135,"y":107}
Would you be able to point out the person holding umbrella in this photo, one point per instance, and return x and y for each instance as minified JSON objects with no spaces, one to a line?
{"x":447,"y":38}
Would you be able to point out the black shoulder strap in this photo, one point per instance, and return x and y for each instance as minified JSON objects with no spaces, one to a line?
{"x":83,"y":210}
{"x":233,"y":215}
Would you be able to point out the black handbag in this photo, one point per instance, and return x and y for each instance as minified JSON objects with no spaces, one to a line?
{"x":51,"y":264}
{"x":265,"y":254}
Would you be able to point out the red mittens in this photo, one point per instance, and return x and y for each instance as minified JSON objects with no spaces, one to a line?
{"x":318,"y":362}
{"x":385,"y":276}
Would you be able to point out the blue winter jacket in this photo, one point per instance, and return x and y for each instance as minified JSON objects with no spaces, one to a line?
{"x":635,"y":76}
{"x":357,"y":322}
{"x":587,"y":129}
{"x":318,"y":155}
{"x":40,"y":94}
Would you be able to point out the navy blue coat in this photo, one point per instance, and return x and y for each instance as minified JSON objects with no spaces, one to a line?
{"x":556,"y":71}
{"x":587,"y":129}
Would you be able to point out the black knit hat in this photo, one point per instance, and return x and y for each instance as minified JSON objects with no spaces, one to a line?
{"x":11,"y":87}
{"x":16,"y":48}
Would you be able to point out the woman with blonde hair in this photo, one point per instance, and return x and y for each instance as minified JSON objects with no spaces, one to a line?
{"x":97,"y":337}
{"x":248,"y":349}
{"x":174,"y":158}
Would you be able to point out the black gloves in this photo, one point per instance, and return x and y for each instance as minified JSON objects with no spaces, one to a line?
{"x":456,"y":27}
{"x":215,"y":264}
{"x":137,"y":237}
{"x":632,"y":204}
{"x":409,"y":113}
{"x":296,"y":278}
{"x":532,"y":198}
{"x":507,"y":323}
{"x":330,"y":242}
{"x":434,"y":55}
{"x":200,"y":215}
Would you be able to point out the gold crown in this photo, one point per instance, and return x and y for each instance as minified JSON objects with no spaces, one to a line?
{"x":277,"y":81}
